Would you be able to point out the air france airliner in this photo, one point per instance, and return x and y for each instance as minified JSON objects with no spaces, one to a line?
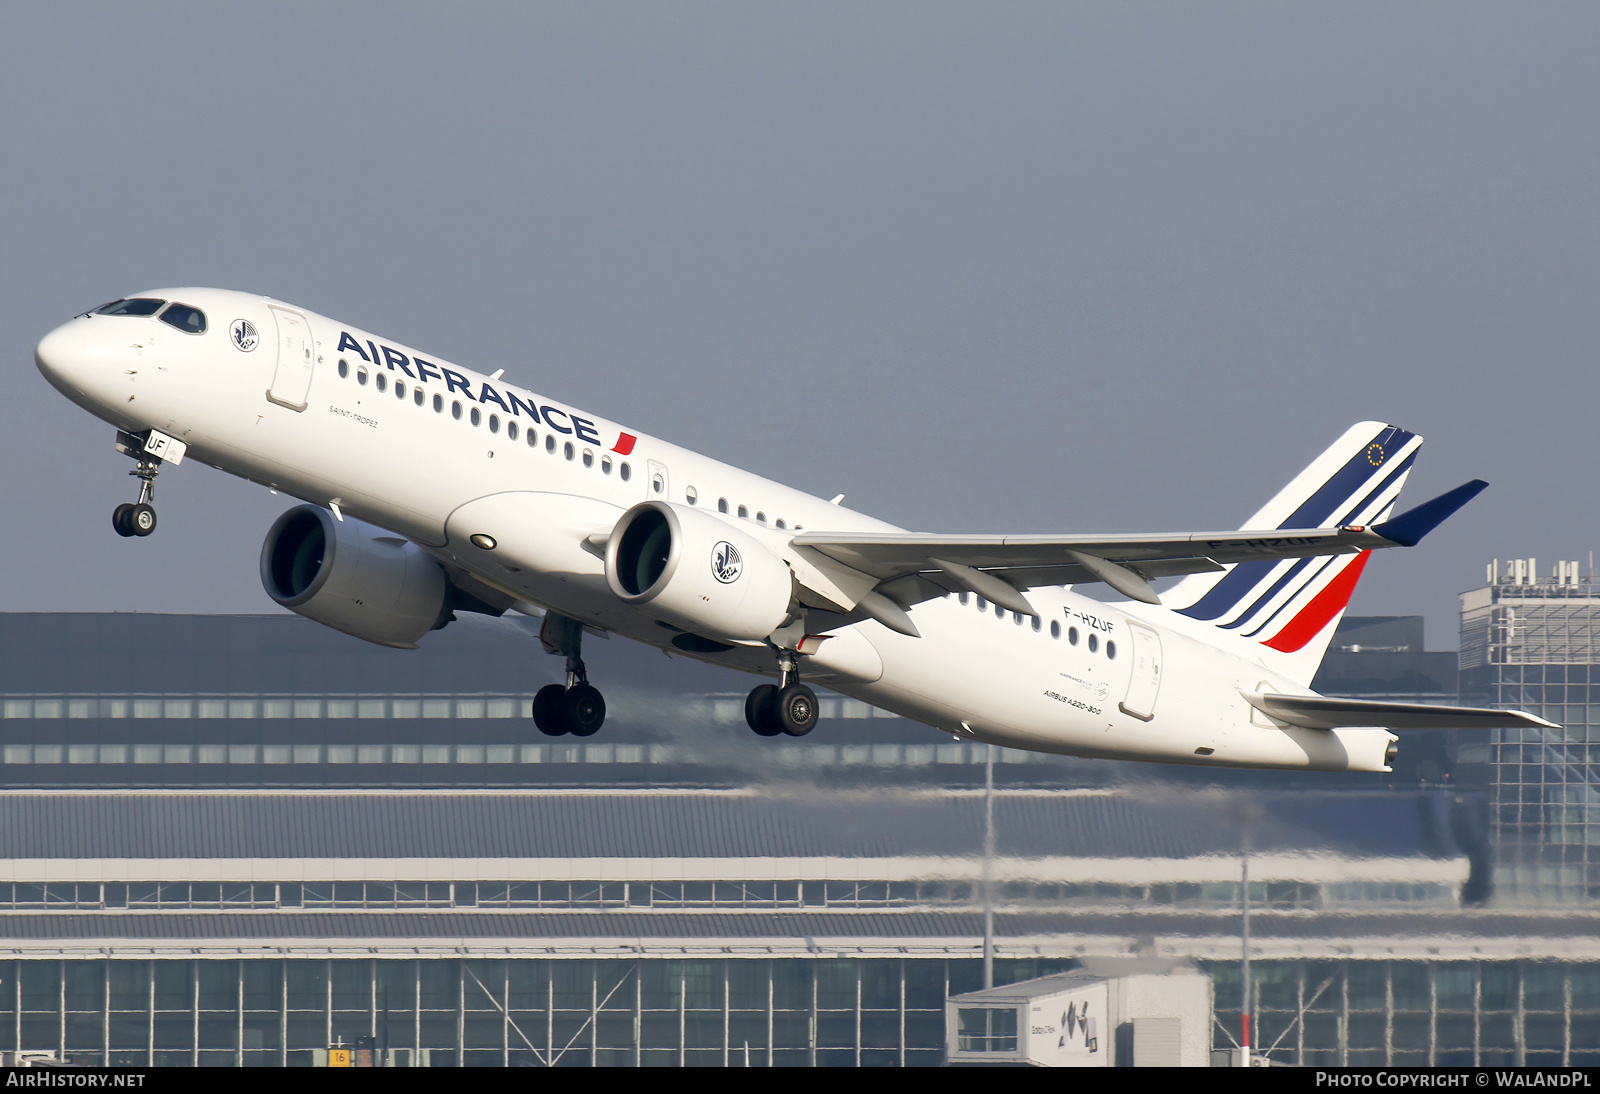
{"x":431,"y":489}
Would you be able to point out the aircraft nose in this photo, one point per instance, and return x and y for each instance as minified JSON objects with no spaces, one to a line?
{"x":67,"y":356}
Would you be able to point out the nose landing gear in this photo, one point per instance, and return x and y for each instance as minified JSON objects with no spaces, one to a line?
{"x":789,"y":707}
{"x":139,"y":518}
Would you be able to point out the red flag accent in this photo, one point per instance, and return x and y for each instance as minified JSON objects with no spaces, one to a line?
{"x":625,"y":444}
{"x":1323,"y":607}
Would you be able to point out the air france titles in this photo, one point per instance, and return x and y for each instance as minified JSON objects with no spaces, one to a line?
{"x":554,"y":418}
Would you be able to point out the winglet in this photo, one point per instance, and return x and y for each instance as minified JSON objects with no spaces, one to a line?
{"x":1409,"y":527}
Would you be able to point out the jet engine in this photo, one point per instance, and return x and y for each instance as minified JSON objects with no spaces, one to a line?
{"x":687,"y":568}
{"x":354,"y":577}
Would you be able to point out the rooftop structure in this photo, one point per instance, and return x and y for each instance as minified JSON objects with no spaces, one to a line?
{"x":1532,"y":641}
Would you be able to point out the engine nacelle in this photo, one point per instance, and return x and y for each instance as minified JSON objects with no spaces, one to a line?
{"x":354,"y":577}
{"x":687,"y":568}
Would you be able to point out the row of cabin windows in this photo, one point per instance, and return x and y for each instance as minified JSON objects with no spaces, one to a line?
{"x":692,"y":496}
{"x":475,"y":416}
{"x":1038,"y":624}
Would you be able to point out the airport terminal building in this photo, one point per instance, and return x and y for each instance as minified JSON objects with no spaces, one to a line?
{"x":249,"y":840}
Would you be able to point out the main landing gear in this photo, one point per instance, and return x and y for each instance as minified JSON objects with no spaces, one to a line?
{"x":789,"y":707}
{"x":138,"y":518}
{"x":576,"y":707}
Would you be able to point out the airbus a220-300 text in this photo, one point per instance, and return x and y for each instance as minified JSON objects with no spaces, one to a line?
{"x":432,"y":489}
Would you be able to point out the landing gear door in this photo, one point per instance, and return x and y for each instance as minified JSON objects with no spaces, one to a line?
{"x":1146,"y":679}
{"x":291,"y":383}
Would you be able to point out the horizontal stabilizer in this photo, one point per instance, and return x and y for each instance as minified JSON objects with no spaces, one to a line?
{"x":1409,"y":527}
{"x":1321,"y":712}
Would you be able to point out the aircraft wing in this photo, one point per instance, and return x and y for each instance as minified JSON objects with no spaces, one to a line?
{"x":1321,"y":712}
{"x":889,"y":554}
{"x":914,"y":566}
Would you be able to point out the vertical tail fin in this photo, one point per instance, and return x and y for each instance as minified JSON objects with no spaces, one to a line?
{"x":1290,"y":608}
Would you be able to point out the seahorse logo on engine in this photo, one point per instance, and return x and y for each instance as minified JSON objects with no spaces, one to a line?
{"x":726,"y":565}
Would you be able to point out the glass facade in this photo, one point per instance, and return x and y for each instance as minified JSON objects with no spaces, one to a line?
{"x":742,"y":1011}
{"x":1417,"y":1013}
{"x":814,"y":893}
{"x":1534,"y":644}
{"x":531,"y":1013}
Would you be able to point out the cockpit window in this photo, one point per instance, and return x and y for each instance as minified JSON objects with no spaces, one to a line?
{"x":187,"y":319}
{"x":139,"y":305}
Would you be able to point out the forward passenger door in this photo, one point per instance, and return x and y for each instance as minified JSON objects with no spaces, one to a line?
{"x":291,"y":382}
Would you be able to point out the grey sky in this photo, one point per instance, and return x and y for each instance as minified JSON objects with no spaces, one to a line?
{"x":982,"y":267}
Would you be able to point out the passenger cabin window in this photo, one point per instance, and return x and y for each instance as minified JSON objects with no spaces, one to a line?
{"x":549,"y":442}
{"x":588,"y":457}
{"x":511,"y":431}
{"x":1055,"y":629}
{"x":1111,"y":650}
{"x":744,"y":513}
{"x":344,"y":368}
{"x":477,"y":416}
{"x":381,"y":382}
{"x":605,"y":464}
{"x":567,"y":450}
{"x":187,"y":319}
{"x":692,"y":495}
{"x":762,"y":517}
{"x":438,"y":404}
{"x":1072,"y":636}
{"x":781,"y":524}
{"x":722,"y":505}
{"x":625,"y":472}
{"x":139,"y":305}
{"x":399,"y":389}
{"x":963,"y":598}
{"x":494,"y":423}
{"x":361,"y":376}
{"x":657,"y":483}
{"x":418,"y":396}
{"x":1094,"y":642}
{"x":455,"y":409}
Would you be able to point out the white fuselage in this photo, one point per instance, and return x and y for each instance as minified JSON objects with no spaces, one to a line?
{"x":1139,"y":682}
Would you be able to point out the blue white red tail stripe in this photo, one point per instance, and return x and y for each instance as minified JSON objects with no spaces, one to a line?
{"x":1286,"y":608}
{"x":1361,"y":513}
{"x":1347,"y":496}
